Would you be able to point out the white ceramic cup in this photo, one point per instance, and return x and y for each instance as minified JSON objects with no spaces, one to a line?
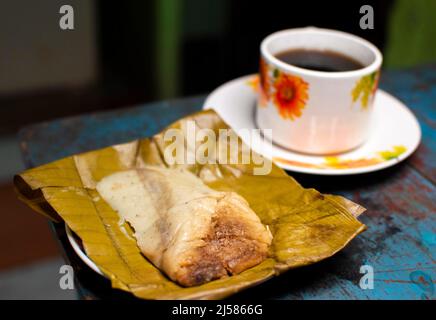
{"x":311,"y":111}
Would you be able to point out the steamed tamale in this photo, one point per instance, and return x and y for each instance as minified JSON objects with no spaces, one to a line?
{"x":190,"y":231}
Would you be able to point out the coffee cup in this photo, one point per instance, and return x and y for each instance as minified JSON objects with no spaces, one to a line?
{"x":317,"y":110}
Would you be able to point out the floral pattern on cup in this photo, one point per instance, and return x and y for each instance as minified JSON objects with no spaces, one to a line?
{"x":264,"y":83}
{"x":365,"y":89}
{"x":288,"y":93}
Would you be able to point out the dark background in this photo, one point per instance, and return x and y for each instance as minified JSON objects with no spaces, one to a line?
{"x":129,"y":52}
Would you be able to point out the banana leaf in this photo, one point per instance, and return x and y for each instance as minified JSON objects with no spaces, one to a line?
{"x":307,"y":226}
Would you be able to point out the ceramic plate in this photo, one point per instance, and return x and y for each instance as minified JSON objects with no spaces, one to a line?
{"x":77,"y":247}
{"x":395,"y":132}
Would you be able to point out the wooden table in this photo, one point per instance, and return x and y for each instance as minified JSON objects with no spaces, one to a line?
{"x":400,"y":241}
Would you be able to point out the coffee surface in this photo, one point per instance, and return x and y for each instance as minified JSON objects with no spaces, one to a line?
{"x":319,"y":60}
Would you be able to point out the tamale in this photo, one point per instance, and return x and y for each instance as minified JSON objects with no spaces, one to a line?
{"x":190,"y":231}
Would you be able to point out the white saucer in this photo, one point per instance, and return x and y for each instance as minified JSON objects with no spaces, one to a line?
{"x":395,"y":132}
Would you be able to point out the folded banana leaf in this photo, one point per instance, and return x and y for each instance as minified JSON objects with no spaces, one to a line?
{"x":307,"y":226}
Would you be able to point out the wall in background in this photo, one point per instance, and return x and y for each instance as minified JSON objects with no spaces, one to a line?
{"x":35,"y":54}
{"x":412,"y":34}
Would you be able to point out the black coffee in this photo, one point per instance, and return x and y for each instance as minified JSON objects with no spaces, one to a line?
{"x":328,"y":61}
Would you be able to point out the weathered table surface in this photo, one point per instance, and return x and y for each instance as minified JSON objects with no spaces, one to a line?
{"x":400,"y":241}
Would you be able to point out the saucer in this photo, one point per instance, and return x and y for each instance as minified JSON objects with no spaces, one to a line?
{"x":395,"y":132}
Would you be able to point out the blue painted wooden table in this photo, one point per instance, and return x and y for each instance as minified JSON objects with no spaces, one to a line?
{"x":400,"y":241}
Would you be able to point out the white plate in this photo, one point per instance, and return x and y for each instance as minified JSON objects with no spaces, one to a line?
{"x":78,"y":249}
{"x":395,"y":132}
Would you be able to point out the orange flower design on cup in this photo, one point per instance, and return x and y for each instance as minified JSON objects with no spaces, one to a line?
{"x":264,"y":85}
{"x":290,"y":96}
{"x":289,"y":93}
